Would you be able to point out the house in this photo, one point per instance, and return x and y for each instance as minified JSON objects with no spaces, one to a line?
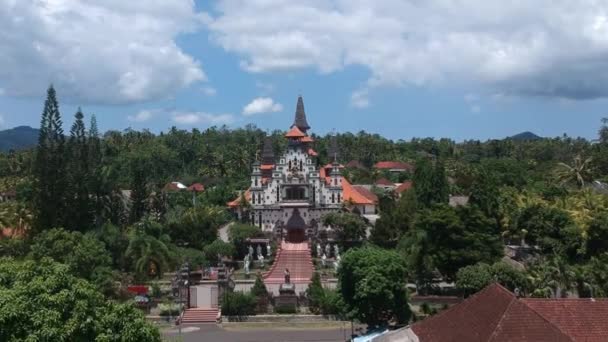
{"x":403,"y":187}
{"x":196,"y":187}
{"x":354,"y":164}
{"x":174,"y":186}
{"x":394,"y":166}
{"x":385,"y":184}
{"x":496,"y":314}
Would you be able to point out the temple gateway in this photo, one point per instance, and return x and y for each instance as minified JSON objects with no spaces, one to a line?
{"x":289,"y":194}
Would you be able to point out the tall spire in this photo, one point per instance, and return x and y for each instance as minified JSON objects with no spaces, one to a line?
{"x":300,"y":119}
{"x":267,"y":151}
{"x":333,"y":151}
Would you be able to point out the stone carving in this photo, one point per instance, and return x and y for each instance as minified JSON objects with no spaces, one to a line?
{"x":323,"y":259}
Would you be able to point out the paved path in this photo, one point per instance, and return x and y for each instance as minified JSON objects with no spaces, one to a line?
{"x":213,"y":332}
{"x":223,"y":231}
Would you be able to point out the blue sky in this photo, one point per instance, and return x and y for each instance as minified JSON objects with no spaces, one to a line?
{"x":475,"y":71}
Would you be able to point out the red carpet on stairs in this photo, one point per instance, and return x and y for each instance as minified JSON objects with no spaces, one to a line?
{"x":199,"y":315}
{"x":296,"y":258}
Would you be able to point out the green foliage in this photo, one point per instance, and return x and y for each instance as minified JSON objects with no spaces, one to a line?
{"x":321,"y":300}
{"x":446,"y":239}
{"x":485,"y":193}
{"x":196,"y":258}
{"x":218,"y":248}
{"x":238,"y":304}
{"x":148,"y":247}
{"x":285,"y":310}
{"x":430,"y":183}
{"x":597,"y":235}
{"x":349,"y":227}
{"x":170,"y":309}
{"x":395,"y":221}
{"x":83,"y":253}
{"x":372,"y":284}
{"x":197,"y":226}
{"x":238,"y":233}
{"x":259,"y":289}
{"x":42,"y":301}
{"x":473,"y":278}
{"x":50,"y":167}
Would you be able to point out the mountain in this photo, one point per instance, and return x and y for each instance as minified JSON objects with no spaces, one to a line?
{"x":18,"y":138}
{"x":525,"y":136}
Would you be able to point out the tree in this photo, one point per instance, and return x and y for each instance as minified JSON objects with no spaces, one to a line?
{"x":259,"y":289}
{"x":95,"y":180}
{"x":451,"y":238}
{"x":551,"y":277}
{"x":485,"y":193}
{"x":218,"y":248}
{"x":79,"y":210}
{"x":42,"y":301}
{"x":238,"y":233}
{"x":597,"y":235}
{"x":238,"y":304}
{"x":83,"y":253}
{"x":578,"y":173}
{"x":430,"y":183}
{"x":395,"y":221}
{"x":196,"y":226}
{"x":348,"y":227}
{"x":471,"y":279}
{"x":139,"y":193}
{"x":49,"y":167}
{"x":372,"y":283}
{"x":149,"y":249}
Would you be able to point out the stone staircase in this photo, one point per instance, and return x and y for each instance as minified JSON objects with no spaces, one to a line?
{"x":200,"y":315}
{"x":295,"y":257}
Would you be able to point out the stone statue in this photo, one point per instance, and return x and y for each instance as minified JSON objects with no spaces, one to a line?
{"x":268,"y":250}
{"x":250,"y":251}
{"x":319,"y":250}
{"x":259,"y":250}
{"x":337,"y":263}
{"x":247,"y":264}
{"x":336,"y":251}
{"x":323,"y":258}
{"x":261,"y":259}
{"x":328,"y":249}
{"x":287,"y":276}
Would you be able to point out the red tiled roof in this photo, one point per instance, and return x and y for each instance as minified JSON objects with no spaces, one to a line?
{"x":393,"y":165}
{"x":197,"y":187}
{"x":312,"y":152}
{"x":350,"y":194}
{"x":403,"y":187}
{"x":266,"y":166}
{"x":295,"y":132}
{"x":385,"y":182}
{"x":366,"y":192}
{"x":307,"y":139}
{"x":235,"y":203}
{"x":495,"y":314}
{"x":331,"y":166}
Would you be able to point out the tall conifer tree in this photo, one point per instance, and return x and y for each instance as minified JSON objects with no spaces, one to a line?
{"x":95,"y":174}
{"x":49,"y":167}
{"x":79,"y":207}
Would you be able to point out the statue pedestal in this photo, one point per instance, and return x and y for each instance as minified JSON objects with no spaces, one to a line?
{"x":287,"y":301}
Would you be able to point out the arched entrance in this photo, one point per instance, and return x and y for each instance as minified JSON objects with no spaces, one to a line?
{"x":295,"y":228}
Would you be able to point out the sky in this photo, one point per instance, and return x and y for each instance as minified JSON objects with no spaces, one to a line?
{"x":461,"y":69}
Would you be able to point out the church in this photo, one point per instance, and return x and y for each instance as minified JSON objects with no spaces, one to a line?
{"x":290,"y":194}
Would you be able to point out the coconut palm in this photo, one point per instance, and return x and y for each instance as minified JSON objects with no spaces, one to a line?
{"x":148,"y":247}
{"x":552,"y":278}
{"x":579,"y":172}
{"x":16,"y":216}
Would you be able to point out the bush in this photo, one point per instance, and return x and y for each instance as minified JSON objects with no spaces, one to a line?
{"x":239,"y":233}
{"x":170,"y":309}
{"x":238,"y":304}
{"x":218,"y":247}
{"x":156,"y":292}
{"x":259,"y":289}
{"x":471,"y":279}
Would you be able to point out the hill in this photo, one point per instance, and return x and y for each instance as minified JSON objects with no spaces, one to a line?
{"x":525,"y":136}
{"x":18,"y":138}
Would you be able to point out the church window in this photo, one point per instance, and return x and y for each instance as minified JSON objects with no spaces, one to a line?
{"x":256,"y":182}
{"x":333,"y":198}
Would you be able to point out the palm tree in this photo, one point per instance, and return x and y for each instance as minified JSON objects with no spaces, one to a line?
{"x":146,"y":251}
{"x":18,"y":217}
{"x":579,"y":172}
{"x":552,"y":278}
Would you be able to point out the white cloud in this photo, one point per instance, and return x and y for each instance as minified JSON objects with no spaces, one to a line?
{"x":192,"y":118}
{"x":360,"y":99}
{"x":141,"y":116}
{"x":262,"y":105}
{"x":111,"y":51}
{"x":209,"y":91}
{"x":510,"y":47}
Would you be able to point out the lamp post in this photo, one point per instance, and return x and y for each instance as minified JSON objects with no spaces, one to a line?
{"x":184,"y":277}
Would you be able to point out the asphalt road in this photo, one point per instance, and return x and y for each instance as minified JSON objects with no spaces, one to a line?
{"x":212,"y":332}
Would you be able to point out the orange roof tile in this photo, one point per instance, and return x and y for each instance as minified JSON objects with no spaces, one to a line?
{"x":385,"y":182}
{"x":393,"y":165}
{"x":405,"y":186}
{"x":312,"y":152}
{"x":307,"y":139}
{"x":197,"y":187}
{"x":350,"y":194}
{"x":266,"y":166}
{"x":295,"y":132}
{"x":237,"y":201}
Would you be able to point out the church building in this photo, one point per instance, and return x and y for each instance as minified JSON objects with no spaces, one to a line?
{"x":290,"y":194}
